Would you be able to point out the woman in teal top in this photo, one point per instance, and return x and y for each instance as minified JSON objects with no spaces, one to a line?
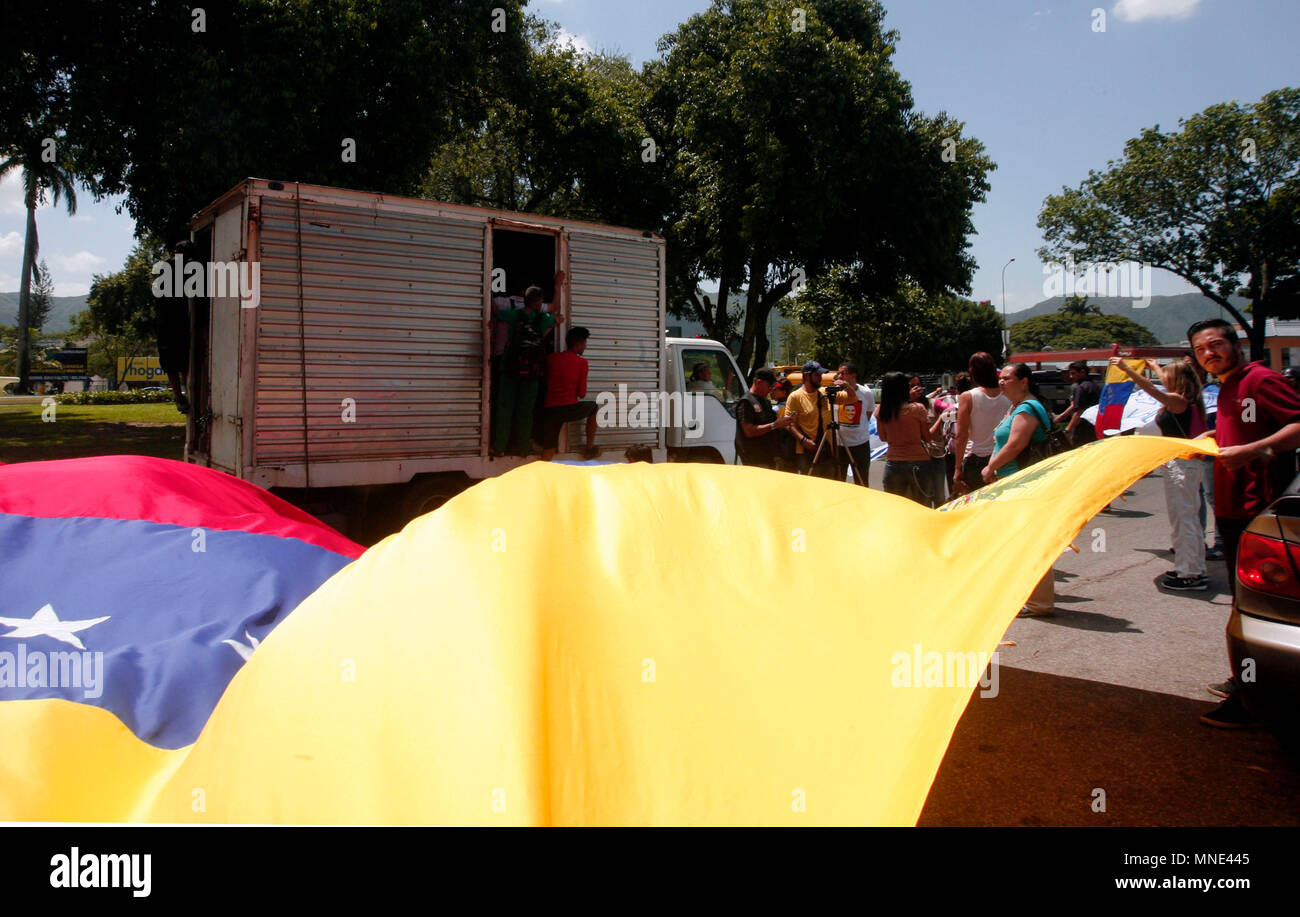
{"x":1027,"y":422}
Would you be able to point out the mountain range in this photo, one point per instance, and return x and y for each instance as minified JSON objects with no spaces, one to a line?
{"x":1167,"y":317}
{"x":62,"y":309}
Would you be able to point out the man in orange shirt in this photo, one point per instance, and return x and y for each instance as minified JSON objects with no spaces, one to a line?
{"x":566,"y":386}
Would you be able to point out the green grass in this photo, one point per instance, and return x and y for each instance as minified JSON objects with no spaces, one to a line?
{"x":81,"y":430}
{"x":103,"y":413}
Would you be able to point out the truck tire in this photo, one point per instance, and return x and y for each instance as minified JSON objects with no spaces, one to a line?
{"x":705,"y":455}
{"x":425,"y":494}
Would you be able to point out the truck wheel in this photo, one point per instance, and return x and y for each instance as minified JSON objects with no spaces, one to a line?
{"x":424,"y":495}
{"x":706,"y":455}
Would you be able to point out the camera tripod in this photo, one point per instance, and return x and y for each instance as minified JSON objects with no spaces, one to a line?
{"x":832,"y":436}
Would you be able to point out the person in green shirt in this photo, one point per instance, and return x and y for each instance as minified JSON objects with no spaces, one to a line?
{"x":521,"y":376}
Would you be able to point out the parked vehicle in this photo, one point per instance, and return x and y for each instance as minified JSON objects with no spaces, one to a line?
{"x":1264,"y":628}
{"x":357,"y":380}
{"x":1053,"y":389}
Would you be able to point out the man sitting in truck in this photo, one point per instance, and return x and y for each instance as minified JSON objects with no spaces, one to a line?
{"x":521,"y":375}
{"x":566,"y":386}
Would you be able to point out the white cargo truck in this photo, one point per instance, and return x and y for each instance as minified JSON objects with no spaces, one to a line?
{"x":340,"y":350}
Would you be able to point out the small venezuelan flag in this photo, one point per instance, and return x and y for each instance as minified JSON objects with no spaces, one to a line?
{"x":1115,"y":392}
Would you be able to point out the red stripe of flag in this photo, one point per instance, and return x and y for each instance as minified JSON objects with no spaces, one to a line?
{"x":158,"y":490}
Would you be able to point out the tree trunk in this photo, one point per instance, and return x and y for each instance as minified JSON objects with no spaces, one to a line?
{"x":717,"y":329}
{"x":761,"y":344}
{"x":753,"y":297}
{"x":25,"y":301}
{"x":1257,"y":330}
{"x":1259,"y":309}
{"x":761,"y":312}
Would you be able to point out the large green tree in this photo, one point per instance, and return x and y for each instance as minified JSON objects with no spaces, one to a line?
{"x":792,"y":145}
{"x":1216,"y":202}
{"x":567,"y":140}
{"x":172,"y":104}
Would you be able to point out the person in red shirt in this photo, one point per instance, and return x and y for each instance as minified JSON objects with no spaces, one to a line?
{"x":1258,"y":429}
{"x":566,"y":386}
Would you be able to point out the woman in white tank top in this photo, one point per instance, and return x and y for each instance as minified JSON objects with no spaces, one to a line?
{"x":979,"y":411}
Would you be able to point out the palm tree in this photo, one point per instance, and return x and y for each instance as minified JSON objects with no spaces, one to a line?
{"x":44,"y":171}
{"x":1079,"y":307}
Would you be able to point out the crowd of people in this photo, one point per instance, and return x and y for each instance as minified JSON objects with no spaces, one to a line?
{"x":989,"y":423}
{"x":825,"y":431}
{"x":992,"y":422}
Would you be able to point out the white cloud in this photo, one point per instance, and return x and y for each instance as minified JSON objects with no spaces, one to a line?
{"x":8,"y":284}
{"x":1137,"y":10}
{"x":80,"y":288}
{"x":579,"y":43}
{"x":11,"y":193}
{"x":82,"y":262}
{"x":11,"y":245}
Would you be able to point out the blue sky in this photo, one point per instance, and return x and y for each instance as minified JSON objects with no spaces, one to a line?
{"x":1050,"y":98}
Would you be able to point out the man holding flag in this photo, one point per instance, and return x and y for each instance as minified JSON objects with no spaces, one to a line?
{"x":1257,"y":430}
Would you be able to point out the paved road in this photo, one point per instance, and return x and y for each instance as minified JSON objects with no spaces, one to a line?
{"x":1107,"y":695}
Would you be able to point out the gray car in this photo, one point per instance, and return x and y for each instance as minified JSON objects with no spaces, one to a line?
{"x":1264,"y":630}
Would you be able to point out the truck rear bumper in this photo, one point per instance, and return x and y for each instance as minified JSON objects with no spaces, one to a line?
{"x":345,"y":474}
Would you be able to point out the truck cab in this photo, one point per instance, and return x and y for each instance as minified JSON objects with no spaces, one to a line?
{"x":704,"y":372}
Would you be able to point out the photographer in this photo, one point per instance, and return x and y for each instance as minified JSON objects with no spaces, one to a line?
{"x":810,"y":415}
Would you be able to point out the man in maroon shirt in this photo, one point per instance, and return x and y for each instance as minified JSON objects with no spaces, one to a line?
{"x":566,"y":386}
{"x":1258,"y":429}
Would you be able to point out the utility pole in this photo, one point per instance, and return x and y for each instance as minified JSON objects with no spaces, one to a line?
{"x":1006,"y":329}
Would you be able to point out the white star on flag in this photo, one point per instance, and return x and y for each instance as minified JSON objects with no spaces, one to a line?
{"x":45,"y":623}
{"x":244,"y":650}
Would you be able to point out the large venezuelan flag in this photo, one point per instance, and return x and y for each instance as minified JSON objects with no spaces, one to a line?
{"x":134,"y":589}
{"x":629,"y":644}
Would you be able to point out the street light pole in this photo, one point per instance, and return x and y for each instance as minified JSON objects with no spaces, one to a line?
{"x":1006,"y":329}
